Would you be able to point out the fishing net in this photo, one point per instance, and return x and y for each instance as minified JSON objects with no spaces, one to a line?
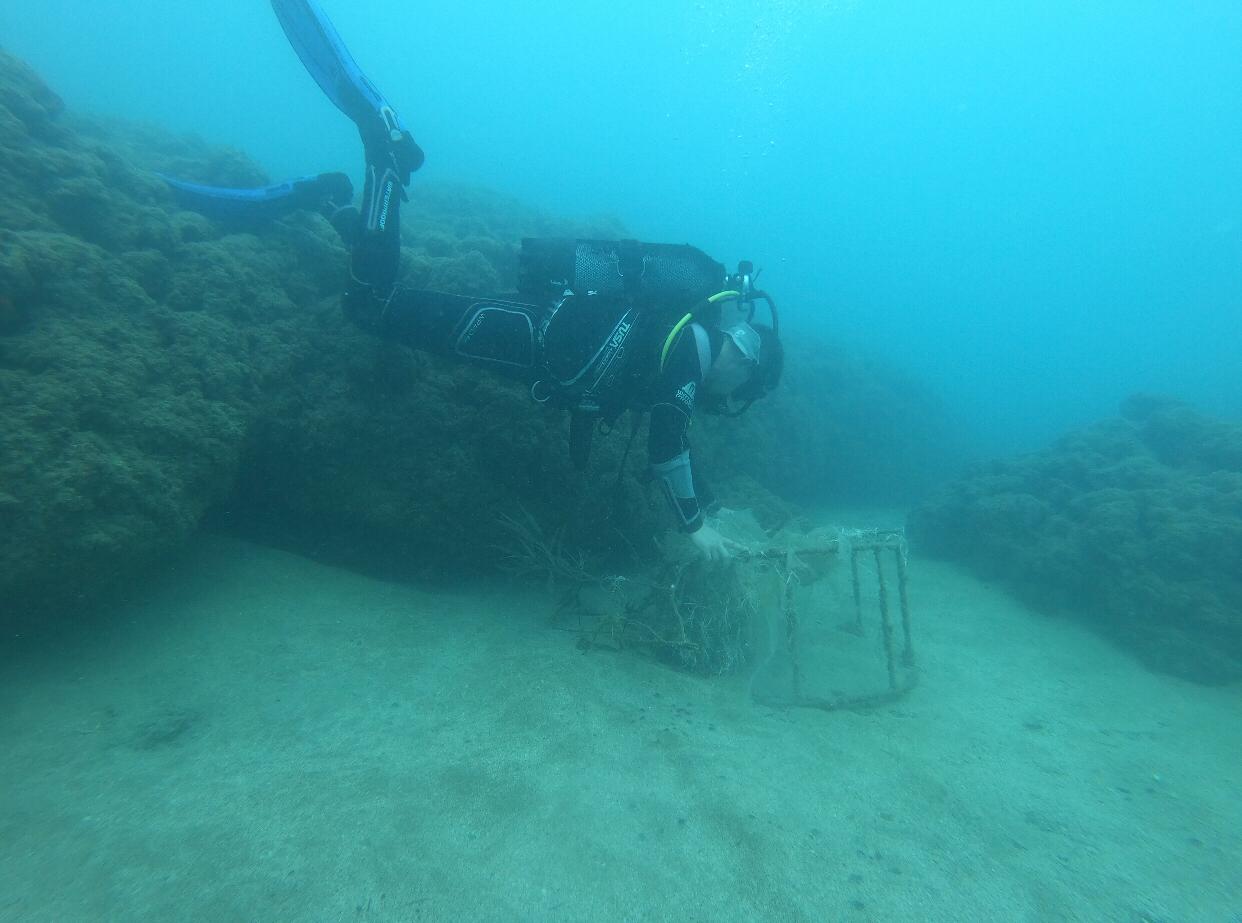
{"x":816,"y":619}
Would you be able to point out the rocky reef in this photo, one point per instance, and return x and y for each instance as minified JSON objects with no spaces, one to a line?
{"x":158,"y":369}
{"x":1134,"y":524}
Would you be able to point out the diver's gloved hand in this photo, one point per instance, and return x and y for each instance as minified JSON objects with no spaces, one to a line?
{"x":712,"y":545}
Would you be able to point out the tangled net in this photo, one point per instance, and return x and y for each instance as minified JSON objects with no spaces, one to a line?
{"x":721,"y":619}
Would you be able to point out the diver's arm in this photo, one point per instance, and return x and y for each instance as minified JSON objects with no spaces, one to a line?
{"x":689,"y":505}
{"x":668,"y":448}
{"x":677,"y":479}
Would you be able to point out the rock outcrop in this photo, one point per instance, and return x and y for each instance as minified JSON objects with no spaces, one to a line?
{"x":1134,"y":524}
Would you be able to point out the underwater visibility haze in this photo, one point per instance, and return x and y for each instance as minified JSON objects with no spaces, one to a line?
{"x":303,"y":618}
{"x":1037,"y":208}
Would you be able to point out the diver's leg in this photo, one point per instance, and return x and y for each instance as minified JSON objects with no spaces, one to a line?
{"x":376,"y":251}
{"x":492,"y":332}
{"x":391,"y":156}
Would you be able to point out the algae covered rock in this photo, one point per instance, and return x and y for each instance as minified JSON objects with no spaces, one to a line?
{"x":155,"y":365}
{"x":124,"y":407}
{"x":1134,"y":523}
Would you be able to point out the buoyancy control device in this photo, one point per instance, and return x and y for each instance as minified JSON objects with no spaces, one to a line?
{"x":620,"y":297}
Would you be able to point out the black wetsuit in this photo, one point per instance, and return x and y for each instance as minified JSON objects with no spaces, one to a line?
{"x":590,"y":323}
{"x":599,"y":349}
{"x":562,"y":350}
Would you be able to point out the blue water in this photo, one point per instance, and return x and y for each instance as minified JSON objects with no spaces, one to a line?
{"x":1037,"y":208}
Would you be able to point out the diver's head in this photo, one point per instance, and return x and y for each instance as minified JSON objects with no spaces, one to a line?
{"x":747,"y":366}
{"x":736,"y":360}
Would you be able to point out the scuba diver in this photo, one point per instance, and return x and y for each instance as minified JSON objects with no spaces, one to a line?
{"x":599,"y":327}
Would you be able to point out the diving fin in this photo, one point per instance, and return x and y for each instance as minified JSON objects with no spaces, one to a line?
{"x":324,"y":55}
{"x":326,"y":192}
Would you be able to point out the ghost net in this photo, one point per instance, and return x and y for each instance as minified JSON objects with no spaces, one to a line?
{"x":817,"y":620}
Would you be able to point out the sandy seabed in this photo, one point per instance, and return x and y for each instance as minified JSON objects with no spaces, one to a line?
{"x":256,"y":736}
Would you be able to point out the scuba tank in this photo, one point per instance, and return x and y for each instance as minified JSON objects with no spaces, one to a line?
{"x":667,"y":274}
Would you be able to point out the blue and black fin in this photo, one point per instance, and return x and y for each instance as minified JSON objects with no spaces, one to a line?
{"x":326,"y":193}
{"x":324,"y":55}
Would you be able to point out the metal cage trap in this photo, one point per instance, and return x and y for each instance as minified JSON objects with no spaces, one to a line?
{"x":777,"y":612}
{"x":808,"y":676}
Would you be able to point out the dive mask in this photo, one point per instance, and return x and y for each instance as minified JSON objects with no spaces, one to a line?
{"x":746,"y":339}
